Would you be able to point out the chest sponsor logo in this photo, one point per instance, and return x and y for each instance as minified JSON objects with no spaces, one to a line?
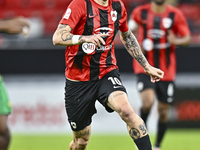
{"x":155,"y":33}
{"x":68,"y":13}
{"x":88,"y":48}
{"x":114,"y":15}
{"x":167,"y":22}
{"x":103,"y":30}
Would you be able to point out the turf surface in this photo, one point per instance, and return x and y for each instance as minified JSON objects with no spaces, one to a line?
{"x":185,"y":139}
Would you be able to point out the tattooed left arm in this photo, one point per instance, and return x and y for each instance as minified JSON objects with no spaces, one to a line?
{"x":132,"y":46}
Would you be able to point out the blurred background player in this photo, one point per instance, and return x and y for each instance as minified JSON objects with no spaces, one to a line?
{"x":160,"y":27}
{"x":92,"y":73}
{"x":15,"y":25}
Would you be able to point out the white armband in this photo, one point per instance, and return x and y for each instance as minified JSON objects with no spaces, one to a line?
{"x":75,"y":39}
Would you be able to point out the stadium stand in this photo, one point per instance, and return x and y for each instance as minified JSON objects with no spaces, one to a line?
{"x":50,"y":11}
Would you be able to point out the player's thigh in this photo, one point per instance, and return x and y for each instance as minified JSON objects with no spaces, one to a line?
{"x":109,"y":84}
{"x":163,"y":108}
{"x":83,"y":135}
{"x":118,"y":101}
{"x":165,"y":91}
{"x":147,"y":97}
{"x":146,"y":89}
{"x":80,"y":100}
{"x":3,"y":124}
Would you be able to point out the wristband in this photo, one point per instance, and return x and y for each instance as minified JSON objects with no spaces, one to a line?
{"x":75,"y":39}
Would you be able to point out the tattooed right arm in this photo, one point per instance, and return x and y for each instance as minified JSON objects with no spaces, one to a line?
{"x":63,"y":36}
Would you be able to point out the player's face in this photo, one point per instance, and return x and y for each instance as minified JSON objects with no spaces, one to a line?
{"x":159,"y":2}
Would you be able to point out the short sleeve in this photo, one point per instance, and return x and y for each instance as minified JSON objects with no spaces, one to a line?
{"x":123,"y":21}
{"x":135,"y":15}
{"x":181,"y":24}
{"x":73,"y":15}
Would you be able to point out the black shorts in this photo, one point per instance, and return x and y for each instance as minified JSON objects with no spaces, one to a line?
{"x":164,"y":89}
{"x":80,"y":98}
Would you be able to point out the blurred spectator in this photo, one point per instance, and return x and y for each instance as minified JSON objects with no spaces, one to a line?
{"x":17,"y":25}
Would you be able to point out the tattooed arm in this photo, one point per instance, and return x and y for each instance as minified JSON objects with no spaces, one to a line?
{"x":132,"y":46}
{"x":63,"y":36}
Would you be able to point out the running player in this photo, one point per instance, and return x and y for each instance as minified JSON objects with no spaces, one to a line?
{"x":160,"y":28}
{"x":88,"y":29}
{"x":11,"y":26}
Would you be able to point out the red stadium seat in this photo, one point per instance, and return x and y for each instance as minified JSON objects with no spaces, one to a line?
{"x":51,"y":19}
{"x":37,"y":4}
{"x":5,"y":13}
{"x":62,"y":4}
{"x":50,"y":3}
{"x":24,"y":12}
{"x":13,"y":4}
{"x":191,"y":11}
{"x":2,"y":4}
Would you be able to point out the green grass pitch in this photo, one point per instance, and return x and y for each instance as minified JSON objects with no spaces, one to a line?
{"x":184,"y":139}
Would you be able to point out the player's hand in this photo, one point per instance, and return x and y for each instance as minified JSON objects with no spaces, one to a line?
{"x":155,"y":74}
{"x":171,"y":37}
{"x":16,"y":25}
{"x":96,"y":39}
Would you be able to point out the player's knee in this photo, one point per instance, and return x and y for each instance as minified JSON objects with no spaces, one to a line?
{"x":82,"y":143}
{"x":147,"y":105}
{"x":79,"y":143}
{"x":163,"y":115}
{"x":126,"y":113}
{"x":71,"y":145}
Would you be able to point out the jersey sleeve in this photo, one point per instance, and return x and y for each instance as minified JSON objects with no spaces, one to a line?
{"x":181,"y":24}
{"x":74,"y":13}
{"x":135,"y":15}
{"x":123,"y":21}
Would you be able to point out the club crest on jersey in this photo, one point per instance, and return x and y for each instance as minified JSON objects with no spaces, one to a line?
{"x":114,"y":15}
{"x":68,"y":13}
{"x":167,"y":22}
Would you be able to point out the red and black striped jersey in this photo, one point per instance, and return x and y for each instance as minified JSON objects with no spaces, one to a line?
{"x":153,"y":30}
{"x":87,"y":62}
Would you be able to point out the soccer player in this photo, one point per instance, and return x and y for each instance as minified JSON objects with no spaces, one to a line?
{"x":161,"y":27}
{"x":88,"y":29}
{"x":11,"y":26}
